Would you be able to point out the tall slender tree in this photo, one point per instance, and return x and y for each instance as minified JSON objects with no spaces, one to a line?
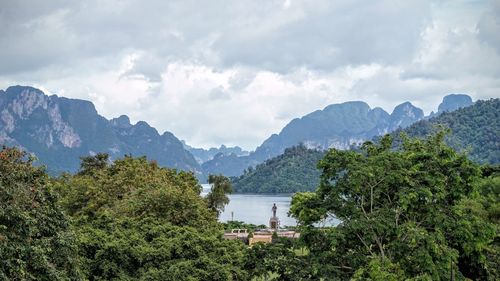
{"x":217,"y":198}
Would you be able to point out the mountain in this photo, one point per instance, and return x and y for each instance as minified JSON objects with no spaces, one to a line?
{"x":474,"y":129}
{"x":228,"y":165}
{"x":203,"y":155}
{"x":337,"y":125}
{"x":452,"y":102}
{"x":59,"y":130}
{"x":294,"y":170}
{"x":404,"y":115}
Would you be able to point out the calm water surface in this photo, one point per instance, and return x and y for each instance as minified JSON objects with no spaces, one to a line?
{"x":256,"y":208}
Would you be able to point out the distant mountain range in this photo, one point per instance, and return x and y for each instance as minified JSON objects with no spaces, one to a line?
{"x":338,"y":125}
{"x":59,"y":130}
{"x":474,"y":129}
{"x":203,"y":155}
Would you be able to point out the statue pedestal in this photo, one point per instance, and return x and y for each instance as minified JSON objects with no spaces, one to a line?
{"x":274,"y":223}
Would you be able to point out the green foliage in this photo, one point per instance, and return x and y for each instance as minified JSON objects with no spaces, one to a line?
{"x":379,"y":269}
{"x":475,"y":129}
{"x":412,"y":212}
{"x":217,"y":198}
{"x":295,"y":170}
{"x":279,"y":261}
{"x":91,"y":164}
{"x":127,"y":249}
{"x":137,"y":221}
{"x":242,"y":225}
{"x":35,"y":241}
{"x":480,"y":216}
{"x":135,"y":187}
{"x":416,"y":212}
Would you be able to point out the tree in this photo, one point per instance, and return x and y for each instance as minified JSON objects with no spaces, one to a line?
{"x":400,"y":212}
{"x":137,"y":221}
{"x":279,"y":261}
{"x":91,"y":164}
{"x":35,"y":240}
{"x":217,"y":198}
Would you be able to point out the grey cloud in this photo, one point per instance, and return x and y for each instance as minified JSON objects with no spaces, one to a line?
{"x":242,"y":78}
{"x":262,"y":34}
{"x":333,"y":34}
{"x":489,"y":25}
{"x":219,"y":93}
{"x":278,"y":62}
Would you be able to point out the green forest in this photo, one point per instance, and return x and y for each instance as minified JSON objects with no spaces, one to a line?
{"x":294,"y":170}
{"x":422,"y":211}
{"x":474,"y":129}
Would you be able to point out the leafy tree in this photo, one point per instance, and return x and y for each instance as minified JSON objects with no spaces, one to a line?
{"x":482,"y":211}
{"x":137,"y":221}
{"x":149,"y":250}
{"x":403,"y":213}
{"x":279,"y":261}
{"x":91,"y":164}
{"x":135,"y":187}
{"x":35,"y":240}
{"x":217,"y":198}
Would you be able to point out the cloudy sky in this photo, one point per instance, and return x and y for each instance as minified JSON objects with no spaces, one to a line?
{"x":234,"y":72}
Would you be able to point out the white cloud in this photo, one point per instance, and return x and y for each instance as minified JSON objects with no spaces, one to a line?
{"x":215,"y":73}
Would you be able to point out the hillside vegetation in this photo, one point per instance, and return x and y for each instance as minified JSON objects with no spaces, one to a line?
{"x":133,"y":220}
{"x":295,"y":170}
{"x":474,"y":129}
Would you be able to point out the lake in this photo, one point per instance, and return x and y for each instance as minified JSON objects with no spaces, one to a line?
{"x":256,"y":208}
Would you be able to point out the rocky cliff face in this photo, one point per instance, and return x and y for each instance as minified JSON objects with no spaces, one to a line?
{"x":60,"y":130}
{"x":338,"y":126}
{"x":404,"y":115}
{"x":453,"y":102}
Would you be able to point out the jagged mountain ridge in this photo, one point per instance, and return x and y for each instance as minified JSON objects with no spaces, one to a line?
{"x":59,"y":130}
{"x":338,"y":125}
{"x":475,"y":130}
{"x":203,"y":155}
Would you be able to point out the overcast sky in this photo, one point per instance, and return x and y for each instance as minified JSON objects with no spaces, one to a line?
{"x":234,"y":72}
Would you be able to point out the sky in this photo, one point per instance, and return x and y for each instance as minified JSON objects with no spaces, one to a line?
{"x":235,"y":72}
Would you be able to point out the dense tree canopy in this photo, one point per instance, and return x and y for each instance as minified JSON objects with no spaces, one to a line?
{"x":418,"y":211}
{"x":136,"y":220}
{"x":35,"y":241}
{"x":406,"y":213}
{"x":91,"y":164}
{"x":474,"y":129}
{"x":295,"y":170}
